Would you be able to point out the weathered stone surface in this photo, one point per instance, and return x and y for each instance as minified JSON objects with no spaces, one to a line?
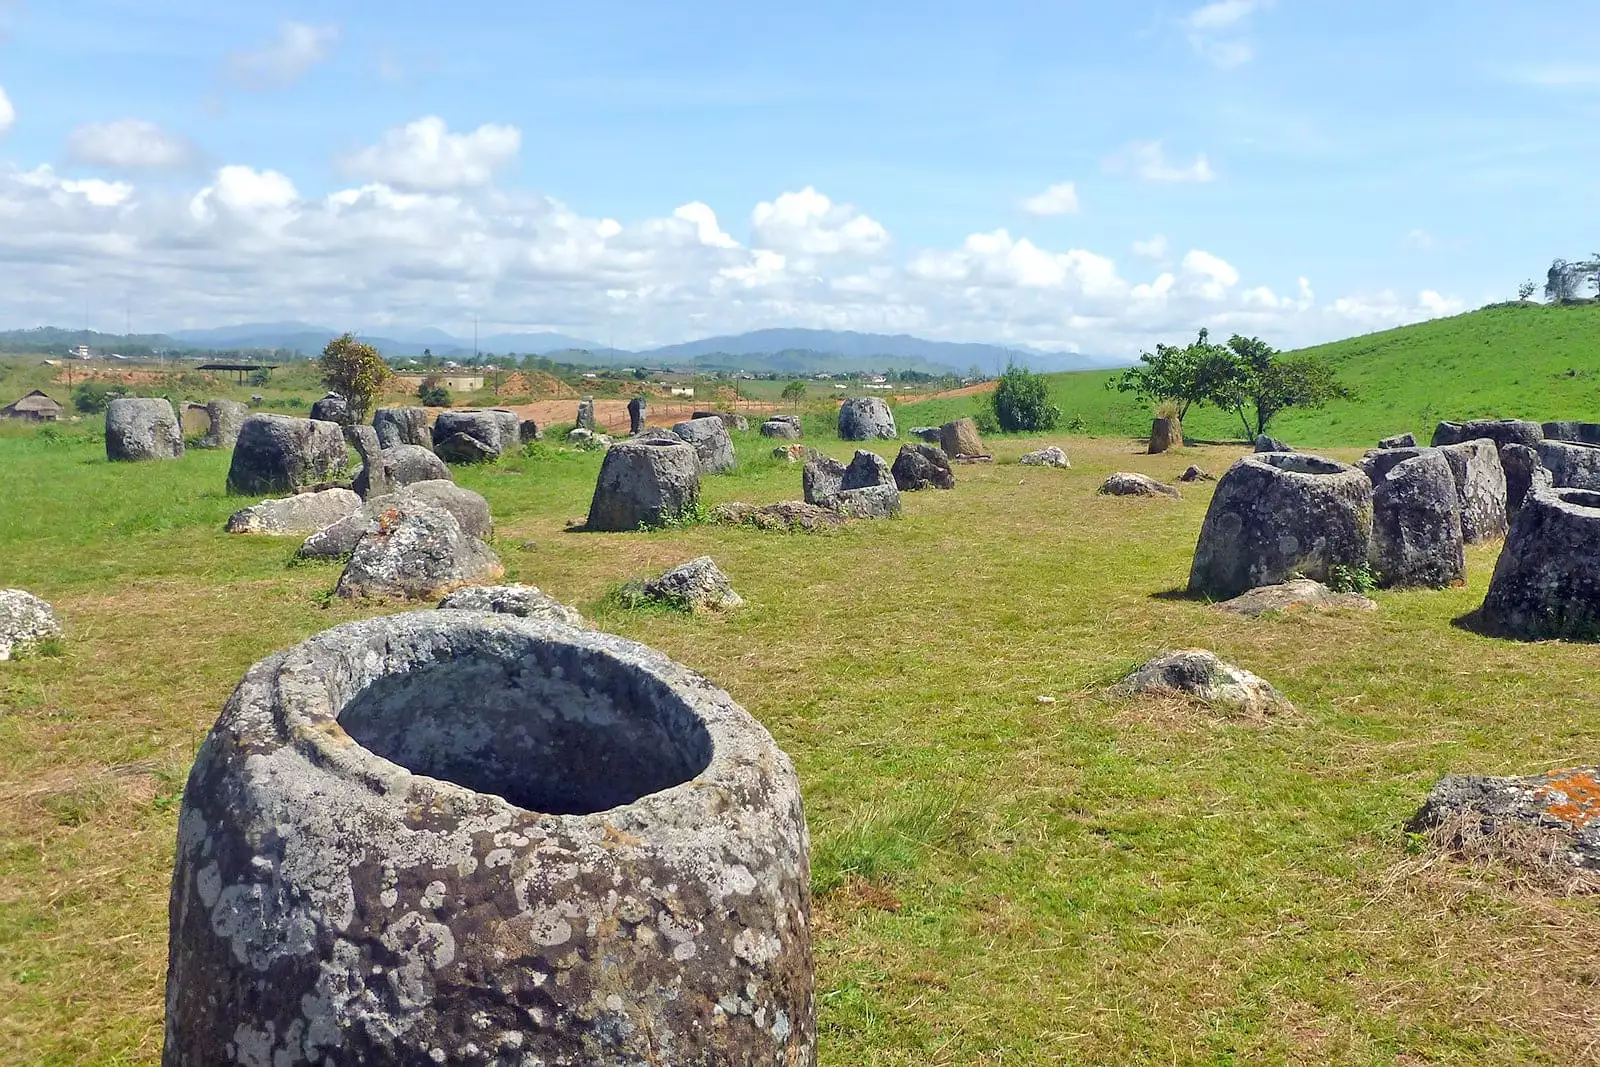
{"x":510,"y":424}
{"x":1301,"y":594}
{"x":1416,"y":524}
{"x":933,"y":435}
{"x":696,"y":585}
{"x":1547,"y":580}
{"x":1481,"y":488}
{"x":524,"y":601}
{"x":792,"y":420}
{"x":465,"y":448}
{"x":1399,"y":440}
{"x":1165,"y":434}
{"x":1201,"y":675}
{"x":25,"y":620}
{"x":401,"y":466}
{"x":470,"y":838}
{"x":484,"y":427}
{"x":300,"y":514}
{"x":781,"y":428}
{"x":638,"y":410}
{"x":1584,"y":433}
{"x":402,"y":426}
{"x":371,"y":479}
{"x":332,"y":408}
{"x":586,"y":414}
{"x":709,"y":437}
{"x":646,"y":481}
{"x":959,"y":437}
{"x":863,"y":418}
{"x":1281,"y":515}
{"x":226,"y":417}
{"x":471,"y":512}
{"x":1192,"y":473}
{"x":140,"y":428}
{"x":588,"y":440}
{"x":1128,"y":483}
{"x":1545,"y":818}
{"x":1500,"y":431}
{"x":789,"y":453}
{"x":866,"y":469}
{"x":1571,"y":465}
{"x":415,"y":550}
{"x":787,"y":515}
{"x":528,"y":430}
{"x":921,"y":466}
{"x":1045,"y":457}
{"x":821,"y":479}
{"x":1524,"y":472}
{"x":279,"y":454}
{"x":867,"y":502}
{"x":1267,"y":443}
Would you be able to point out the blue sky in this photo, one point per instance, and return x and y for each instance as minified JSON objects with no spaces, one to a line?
{"x":1082,"y":176}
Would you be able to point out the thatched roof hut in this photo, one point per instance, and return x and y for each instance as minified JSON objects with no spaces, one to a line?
{"x":35,"y":406}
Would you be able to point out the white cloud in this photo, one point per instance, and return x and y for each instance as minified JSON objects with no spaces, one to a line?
{"x":1148,"y":160}
{"x":284,"y":60}
{"x":1210,"y":276}
{"x":1216,"y":31}
{"x":704,"y":221}
{"x":1155,"y":248}
{"x":241,"y":191}
{"x":1059,"y":199}
{"x":1419,"y":239}
{"x":1220,"y":15}
{"x":8,"y":113}
{"x":808,"y":223}
{"x":425,"y":155}
{"x":129,"y":144}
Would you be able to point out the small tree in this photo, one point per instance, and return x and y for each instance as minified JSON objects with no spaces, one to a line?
{"x":1265,"y":385}
{"x":1563,"y":281}
{"x":432,"y":394}
{"x":1021,"y":402}
{"x":1183,"y":377}
{"x":794,"y":392}
{"x":355,"y":371}
{"x":1526,"y":290}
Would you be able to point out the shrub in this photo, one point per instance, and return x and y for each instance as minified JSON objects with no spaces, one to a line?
{"x":433,"y":395}
{"x":1021,"y":402}
{"x":259,"y":377}
{"x":92,"y":398}
{"x":355,"y":371}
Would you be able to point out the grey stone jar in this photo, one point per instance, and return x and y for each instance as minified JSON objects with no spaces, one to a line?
{"x":469,"y":838}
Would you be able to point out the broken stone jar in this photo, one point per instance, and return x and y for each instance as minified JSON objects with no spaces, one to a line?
{"x":469,"y":838}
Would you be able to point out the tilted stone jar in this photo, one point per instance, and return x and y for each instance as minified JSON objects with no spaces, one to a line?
{"x":469,"y":838}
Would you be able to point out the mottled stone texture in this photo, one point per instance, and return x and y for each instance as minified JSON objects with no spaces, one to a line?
{"x":959,"y":437}
{"x":525,"y":601}
{"x":696,"y":585}
{"x":1586,"y":433}
{"x":1300,"y":594}
{"x":402,"y":426}
{"x":399,"y":467}
{"x":139,"y":428}
{"x":921,"y":466}
{"x":333,"y":408}
{"x":1130,"y":483}
{"x":638,"y":410}
{"x":821,"y":479}
{"x":862,"y":418}
{"x":1480,"y":487}
{"x":709,"y":437}
{"x":470,"y":509}
{"x":1547,"y":580}
{"x":867,"y":489}
{"x":1416,"y":524}
{"x":782,"y":428}
{"x":1399,"y":440}
{"x":1500,"y":431}
{"x":301,"y":514}
{"x":1197,"y":673}
{"x":1165,"y":434}
{"x":586,"y":414}
{"x":1267,"y":443}
{"x":1280,"y":515}
{"x":786,"y":515}
{"x":24,"y":620}
{"x":1571,"y":466}
{"x":1524,"y":472}
{"x":1045,"y":457}
{"x":226,"y":417}
{"x":1562,"y":807}
{"x":416,"y":551}
{"x":648,"y":481}
{"x":279,"y":454}
{"x":483,"y":432}
{"x":454,"y":837}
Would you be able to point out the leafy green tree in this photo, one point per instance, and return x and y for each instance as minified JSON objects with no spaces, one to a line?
{"x":1183,"y":377}
{"x":355,"y":371}
{"x":259,"y":377}
{"x":1265,"y":384}
{"x":92,"y":398}
{"x":1021,"y":402}
{"x":432,"y":394}
{"x":794,"y":392}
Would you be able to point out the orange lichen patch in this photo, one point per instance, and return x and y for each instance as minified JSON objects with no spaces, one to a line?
{"x":1573,"y":797}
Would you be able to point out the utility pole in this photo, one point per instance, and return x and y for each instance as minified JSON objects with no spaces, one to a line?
{"x":474,"y":338}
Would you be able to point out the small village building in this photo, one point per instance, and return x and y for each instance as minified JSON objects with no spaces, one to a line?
{"x":35,"y":407}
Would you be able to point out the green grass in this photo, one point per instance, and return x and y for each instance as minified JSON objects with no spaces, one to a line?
{"x":998,"y":880}
{"x":1527,"y":361}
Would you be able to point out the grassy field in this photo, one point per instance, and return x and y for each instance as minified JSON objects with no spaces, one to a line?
{"x":999,"y":880}
{"x":1527,"y":361}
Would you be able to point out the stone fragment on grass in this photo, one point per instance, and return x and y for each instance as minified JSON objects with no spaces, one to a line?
{"x":472,"y":435}
{"x":1201,"y":675}
{"x":25,"y":620}
{"x":141,"y":428}
{"x":524,"y":601}
{"x":415,"y":551}
{"x":789,"y":453}
{"x":928,"y":434}
{"x":821,"y":479}
{"x":301,"y":514}
{"x":1299,"y":594}
{"x":471,"y":512}
{"x":921,"y":466}
{"x":1128,"y":483}
{"x":1546,"y":821}
{"x":788,"y":515}
{"x":1193,"y":473}
{"x":1045,"y":457}
{"x":959,"y":437}
{"x":696,"y":585}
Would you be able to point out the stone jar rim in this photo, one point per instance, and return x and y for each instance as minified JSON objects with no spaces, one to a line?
{"x":1299,"y":464}
{"x":311,"y":684}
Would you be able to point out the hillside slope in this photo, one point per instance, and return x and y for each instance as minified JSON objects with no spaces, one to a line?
{"x":1527,"y":361}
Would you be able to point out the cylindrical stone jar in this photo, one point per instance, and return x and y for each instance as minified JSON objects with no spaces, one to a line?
{"x":468,"y":838}
{"x":1280,"y":515}
{"x":1547,"y":580}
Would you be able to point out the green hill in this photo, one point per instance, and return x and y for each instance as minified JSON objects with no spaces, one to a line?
{"x":1507,"y":360}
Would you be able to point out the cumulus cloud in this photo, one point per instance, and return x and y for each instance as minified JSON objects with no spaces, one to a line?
{"x":1155,"y":248}
{"x":8,"y":114}
{"x":129,"y":144}
{"x":249,"y":244}
{"x":425,"y":155}
{"x":808,"y":223}
{"x":1148,"y":160}
{"x":1059,"y":199}
{"x":285,"y":59}
{"x":1216,"y":31}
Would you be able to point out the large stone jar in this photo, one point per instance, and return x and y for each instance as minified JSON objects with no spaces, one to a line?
{"x":1547,"y":580}
{"x":469,"y":838}
{"x":648,"y":481}
{"x":1281,"y":515}
{"x":142,"y":427}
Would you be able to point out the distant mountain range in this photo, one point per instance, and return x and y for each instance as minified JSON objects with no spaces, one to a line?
{"x":771,"y":350}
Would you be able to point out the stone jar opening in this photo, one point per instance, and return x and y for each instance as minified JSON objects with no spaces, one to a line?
{"x":1300,"y":463}
{"x":1579,"y":498}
